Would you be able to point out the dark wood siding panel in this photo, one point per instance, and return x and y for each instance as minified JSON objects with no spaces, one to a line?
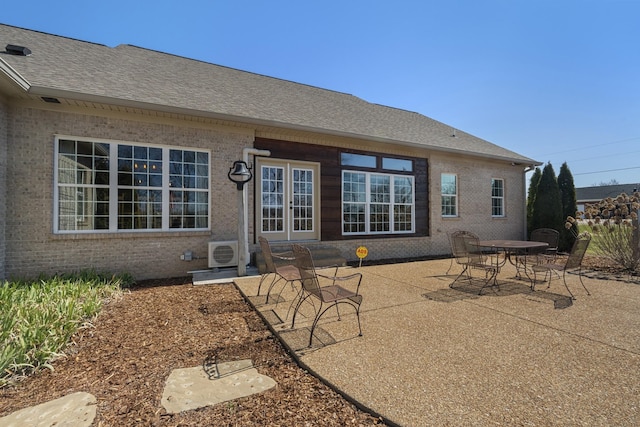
{"x":330,"y":184}
{"x":422,"y":197}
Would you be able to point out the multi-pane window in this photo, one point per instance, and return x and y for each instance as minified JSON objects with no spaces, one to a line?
{"x":139,"y":187}
{"x":449,"y":192}
{"x":377,"y":203}
{"x":302,"y":199}
{"x":111,"y":186}
{"x":83,"y":185}
{"x":403,"y":203}
{"x":189,"y":189}
{"x":272,"y":198}
{"x":354,"y":202}
{"x":497,"y":197}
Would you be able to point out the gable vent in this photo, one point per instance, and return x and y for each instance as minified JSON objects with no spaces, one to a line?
{"x":17,"y":50}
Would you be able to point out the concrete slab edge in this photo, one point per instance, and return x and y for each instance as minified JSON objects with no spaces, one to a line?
{"x":307,"y":368}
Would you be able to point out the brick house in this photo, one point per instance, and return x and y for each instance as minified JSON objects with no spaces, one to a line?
{"x":117,"y":159}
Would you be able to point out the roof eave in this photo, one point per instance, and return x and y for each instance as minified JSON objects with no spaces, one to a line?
{"x":15,"y":76}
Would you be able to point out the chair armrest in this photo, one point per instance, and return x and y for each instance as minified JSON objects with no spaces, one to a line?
{"x":349,"y":277}
{"x":285,"y":256}
{"x":541,"y":259}
{"x":335,"y":268}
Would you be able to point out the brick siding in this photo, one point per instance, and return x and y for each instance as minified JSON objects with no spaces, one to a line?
{"x":3,"y":188}
{"x":31,"y":246}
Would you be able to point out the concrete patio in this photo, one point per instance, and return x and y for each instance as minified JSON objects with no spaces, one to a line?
{"x":432,"y":355}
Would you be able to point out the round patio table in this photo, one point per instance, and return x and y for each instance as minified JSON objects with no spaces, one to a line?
{"x":517,"y":247}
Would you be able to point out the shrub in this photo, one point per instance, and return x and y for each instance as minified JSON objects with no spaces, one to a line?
{"x":38,"y":318}
{"x":614,"y":222}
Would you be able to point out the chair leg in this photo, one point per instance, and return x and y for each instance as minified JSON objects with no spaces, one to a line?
{"x":264,"y":276}
{"x":300,"y":301}
{"x":533,"y":282}
{"x":564,"y":279}
{"x":276,"y":279}
{"x":582,"y":283}
{"x":535,"y":279}
{"x":295,"y":300}
{"x":450,"y":267}
{"x":322,"y":312}
{"x":494,"y":275}
{"x":464,"y":270}
{"x":281,"y":290}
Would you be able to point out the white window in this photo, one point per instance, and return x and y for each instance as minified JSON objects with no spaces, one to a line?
{"x":108,"y":186}
{"x":449,"y":192}
{"x":497,"y":197}
{"x":377,"y":203}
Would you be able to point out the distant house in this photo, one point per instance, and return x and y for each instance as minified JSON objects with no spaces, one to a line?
{"x":117,"y":159}
{"x":588,"y":195}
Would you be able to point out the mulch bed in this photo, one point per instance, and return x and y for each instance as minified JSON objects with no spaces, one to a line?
{"x":126,"y":355}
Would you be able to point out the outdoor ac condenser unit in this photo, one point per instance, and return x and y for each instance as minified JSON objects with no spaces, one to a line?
{"x":223,"y":254}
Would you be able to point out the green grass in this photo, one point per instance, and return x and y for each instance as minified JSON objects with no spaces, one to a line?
{"x":38,"y":318}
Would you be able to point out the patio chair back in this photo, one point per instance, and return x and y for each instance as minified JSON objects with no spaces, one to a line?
{"x":578,"y":251}
{"x":286,"y":271}
{"x":465,"y":249}
{"x":267,"y":255}
{"x":547,"y":235}
{"x":308,"y":276}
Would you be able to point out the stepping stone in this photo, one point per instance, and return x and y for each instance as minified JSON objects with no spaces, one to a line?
{"x":73,"y":410}
{"x":192,"y":388}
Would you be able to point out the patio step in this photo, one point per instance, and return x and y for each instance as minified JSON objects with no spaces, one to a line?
{"x":322,"y":255}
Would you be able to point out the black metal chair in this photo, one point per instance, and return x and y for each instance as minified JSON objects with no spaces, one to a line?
{"x":287,"y":271}
{"x":468,"y":253}
{"x":573,"y":262}
{"x":547,"y":235}
{"x":329,"y":296}
{"x":449,"y":236}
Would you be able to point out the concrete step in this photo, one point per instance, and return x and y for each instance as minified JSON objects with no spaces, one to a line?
{"x":219,"y":275}
{"x":322,"y":256}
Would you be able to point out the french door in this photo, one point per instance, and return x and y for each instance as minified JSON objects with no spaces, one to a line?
{"x":287,"y":199}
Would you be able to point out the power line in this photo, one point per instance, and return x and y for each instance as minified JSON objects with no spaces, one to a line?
{"x":610,"y":170}
{"x":593,"y":146}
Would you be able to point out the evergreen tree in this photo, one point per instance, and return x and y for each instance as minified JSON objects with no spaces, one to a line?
{"x":531,"y":196}
{"x":569,"y":207}
{"x":547,"y":207}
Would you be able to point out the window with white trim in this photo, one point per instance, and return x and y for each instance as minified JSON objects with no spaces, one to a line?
{"x":497,"y":197}
{"x":449,"y":194}
{"x":109,"y":186}
{"x":375,"y":202}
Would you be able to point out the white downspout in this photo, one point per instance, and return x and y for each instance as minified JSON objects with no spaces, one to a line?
{"x":243,"y":247}
{"x":524,"y":187}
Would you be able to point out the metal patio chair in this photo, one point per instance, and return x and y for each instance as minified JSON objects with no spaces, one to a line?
{"x":468,"y":253}
{"x":331,"y":295}
{"x":451,"y":261}
{"x":547,"y":235}
{"x":573,"y":262}
{"x":285,"y":271}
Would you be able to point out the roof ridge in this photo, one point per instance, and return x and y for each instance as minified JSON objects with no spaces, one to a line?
{"x":53,"y":35}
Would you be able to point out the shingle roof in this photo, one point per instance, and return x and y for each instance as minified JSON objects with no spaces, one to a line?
{"x":129,"y":75}
{"x":600,"y":192}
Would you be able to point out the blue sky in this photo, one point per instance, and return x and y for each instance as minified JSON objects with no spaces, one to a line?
{"x":555,"y":80}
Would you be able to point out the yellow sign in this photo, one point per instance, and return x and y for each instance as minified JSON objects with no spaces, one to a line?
{"x":362,"y":252}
